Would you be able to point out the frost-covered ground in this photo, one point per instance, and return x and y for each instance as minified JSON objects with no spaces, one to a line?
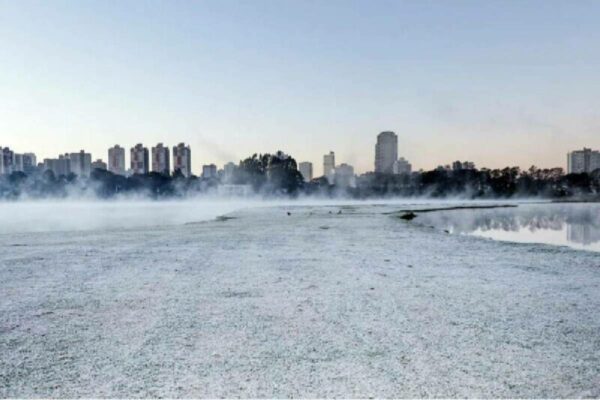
{"x":312,"y":304}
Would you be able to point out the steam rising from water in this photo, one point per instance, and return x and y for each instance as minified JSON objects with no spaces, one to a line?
{"x":69,"y":215}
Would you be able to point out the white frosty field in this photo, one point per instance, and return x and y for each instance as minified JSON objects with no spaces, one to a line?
{"x":312,"y":304}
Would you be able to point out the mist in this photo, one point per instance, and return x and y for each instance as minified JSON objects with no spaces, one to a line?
{"x":85,"y":214}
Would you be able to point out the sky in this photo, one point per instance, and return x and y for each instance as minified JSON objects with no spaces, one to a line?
{"x":495,"y":82}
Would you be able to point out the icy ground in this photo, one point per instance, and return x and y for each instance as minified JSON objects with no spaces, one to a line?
{"x":312,"y":304}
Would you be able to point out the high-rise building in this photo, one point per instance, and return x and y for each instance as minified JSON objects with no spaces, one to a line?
{"x":139,"y":159}
{"x":18,"y":162}
{"x":98,"y":164}
{"x":161,"y":160}
{"x":29,"y":163}
{"x":402,"y":166}
{"x":306,"y":169}
{"x":81,"y":163}
{"x":116,"y":160}
{"x":386,"y":152}
{"x":329,"y":166}
{"x":209,"y":171}
{"x":344,"y":176}
{"x":182,"y":159}
{"x":228,"y":172}
{"x":60,"y":166}
{"x":7,"y":159}
{"x":586,"y":160}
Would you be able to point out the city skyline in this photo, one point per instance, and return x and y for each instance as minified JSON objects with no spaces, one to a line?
{"x":462,"y":80}
{"x":144,"y":159}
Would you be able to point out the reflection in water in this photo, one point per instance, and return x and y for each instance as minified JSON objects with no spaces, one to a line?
{"x":574,"y":225}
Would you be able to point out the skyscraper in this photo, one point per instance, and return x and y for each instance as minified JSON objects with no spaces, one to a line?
{"x":139,"y":159}
{"x":182,"y":159}
{"x":228,"y":172}
{"x":29,"y":163}
{"x":386,"y":152}
{"x":18,"y":163}
{"x":306,"y":169}
{"x":209,"y":171}
{"x":344,"y":176}
{"x":59,"y":166}
{"x":81,"y":163}
{"x":116,"y":160}
{"x":7,"y":159}
{"x":329,"y":166}
{"x":586,"y":160}
{"x":161,"y":160}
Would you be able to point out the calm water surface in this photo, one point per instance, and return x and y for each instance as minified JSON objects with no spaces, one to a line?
{"x":573,"y":225}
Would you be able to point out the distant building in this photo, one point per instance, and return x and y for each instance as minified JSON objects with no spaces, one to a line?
{"x":306,"y":169}
{"x":209,"y":171}
{"x":182,"y":159}
{"x":29,"y":163}
{"x":161,"y":159}
{"x":6,"y":159}
{"x":139,"y":159}
{"x":18,"y":163}
{"x":60,"y":166}
{"x":344,"y":176}
{"x":386,"y":152}
{"x":228,"y":172}
{"x":586,"y":160}
{"x":98,"y":164}
{"x":116,"y":160}
{"x":329,"y":166}
{"x":402,"y":166}
{"x":81,"y":163}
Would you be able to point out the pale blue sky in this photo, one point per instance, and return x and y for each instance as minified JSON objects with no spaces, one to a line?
{"x":496,"y":82}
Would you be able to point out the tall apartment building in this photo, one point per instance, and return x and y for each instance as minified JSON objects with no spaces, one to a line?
{"x":29,"y":163}
{"x":209,"y":171}
{"x":18,"y":163}
{"x":59,"y":166}
{"x":586,"y":160}
{"x":344,"y":176}
{"x":228,"y":172}
{"x":6,"y":159}
{"x":386,"y":152}
{"x":139,"y":159}
{"x":329,"y":166}
{"x":306,"y":169}
{"x":182,"y":159}
{"x":116,"y":160}
{"x":161,"y":161}
{"x":81,"y":163}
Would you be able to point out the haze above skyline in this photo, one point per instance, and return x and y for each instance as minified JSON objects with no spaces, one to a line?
{"x":498,"y":83}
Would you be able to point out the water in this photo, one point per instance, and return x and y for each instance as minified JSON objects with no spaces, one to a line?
{"x":85,"y":215}
{"x":47,"y":216}
{"x":573,"y":225}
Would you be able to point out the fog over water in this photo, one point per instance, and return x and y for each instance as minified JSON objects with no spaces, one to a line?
{"x":90,"y":214}
{"x":574,"y":225}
